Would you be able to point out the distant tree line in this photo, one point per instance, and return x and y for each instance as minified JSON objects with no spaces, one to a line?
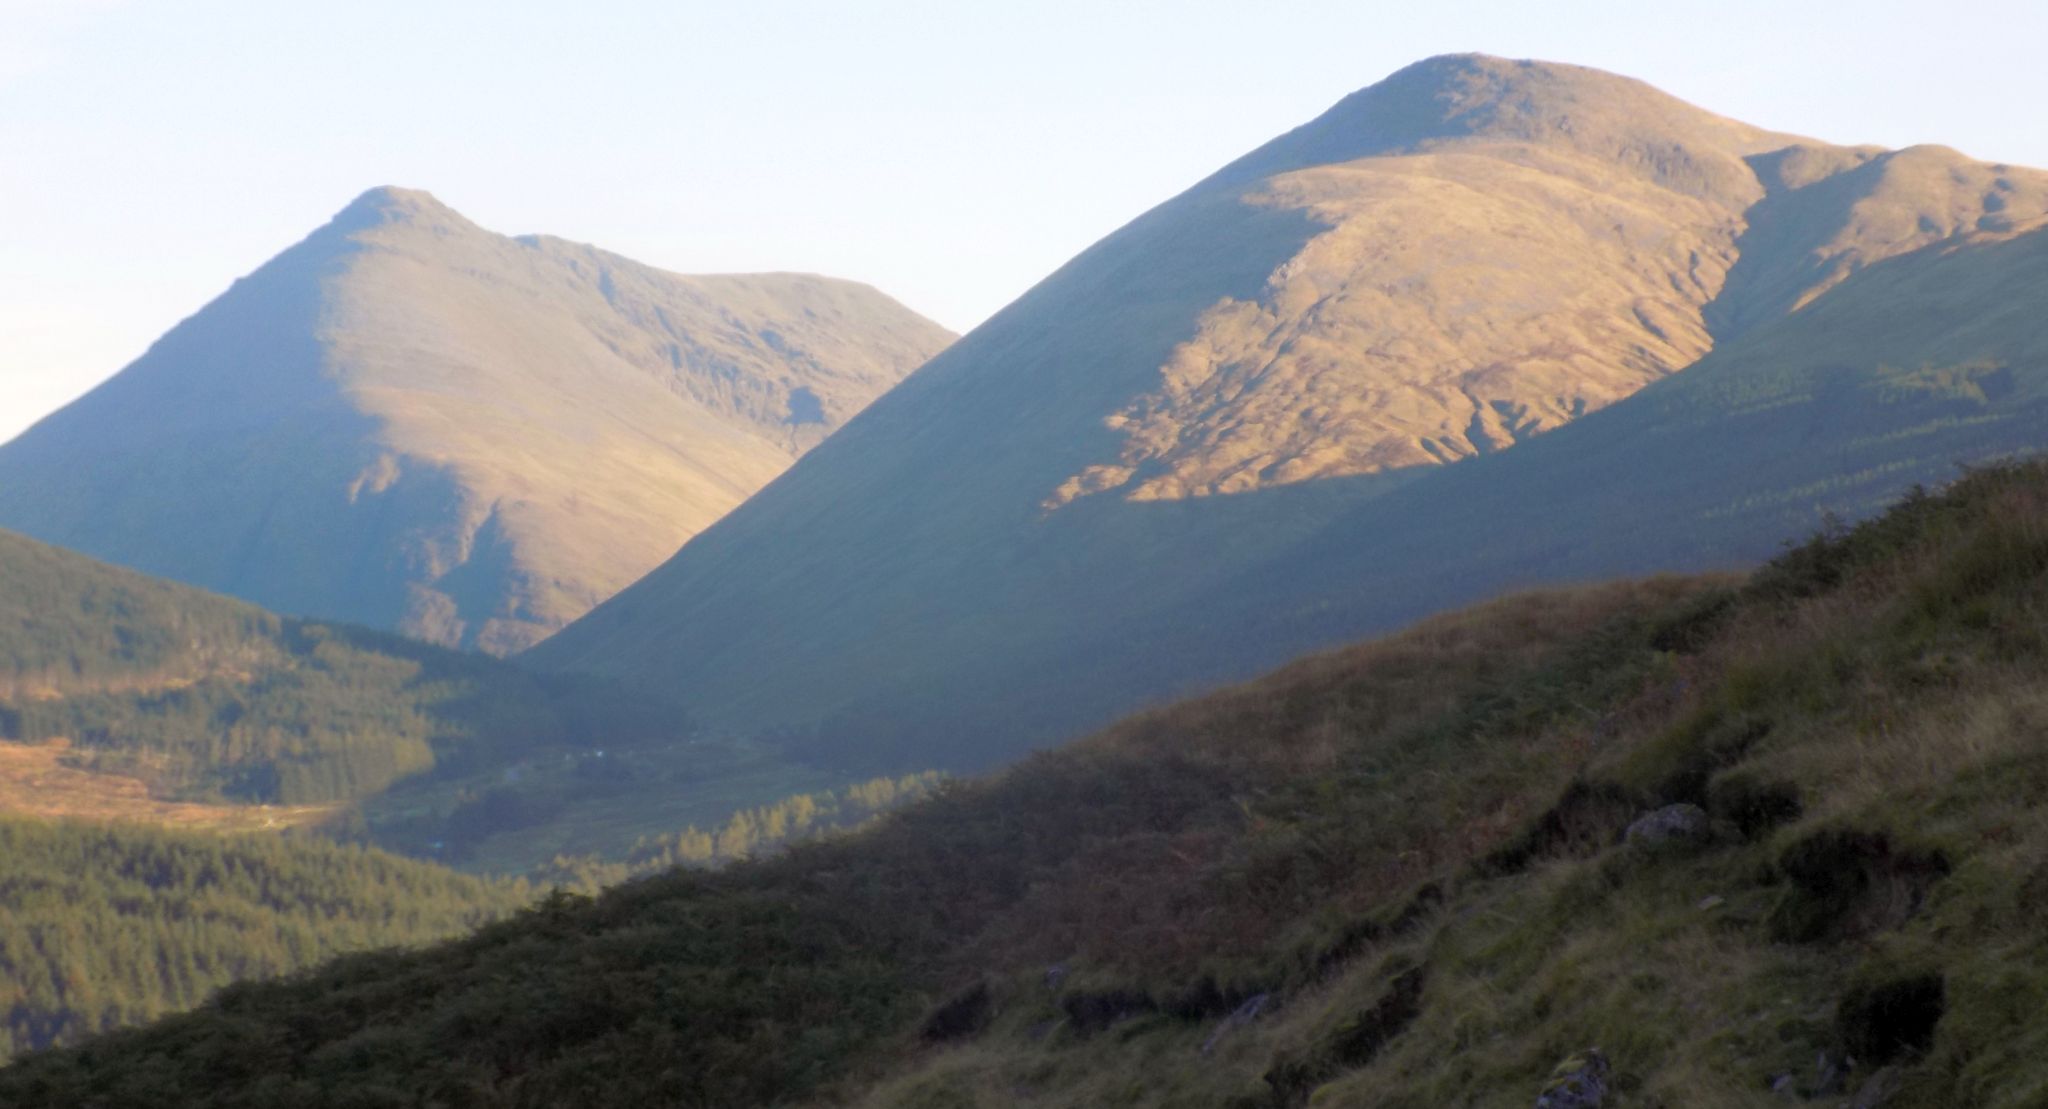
{"x":750,"y":832}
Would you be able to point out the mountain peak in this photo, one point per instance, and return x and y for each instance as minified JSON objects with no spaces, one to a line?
{"x":1460,"y":69}
{"x":389,"y":204}
{"x":398,"y":199}
{"x":1460,"y":98}
{"x":408,"y":420}
{"x":1453,"y":94}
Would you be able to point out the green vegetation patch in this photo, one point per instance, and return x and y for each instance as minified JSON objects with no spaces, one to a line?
{"x":203,"y":698}
{"x":104,"y":926}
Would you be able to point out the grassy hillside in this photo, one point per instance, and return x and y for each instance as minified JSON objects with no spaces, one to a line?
{"x":108,"y":925}
{"x":1900,"y":373}
{"x":1390,"y":875}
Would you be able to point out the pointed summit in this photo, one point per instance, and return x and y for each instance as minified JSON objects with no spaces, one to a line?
{"x":390,"y":204}
{"x":410,"y":422}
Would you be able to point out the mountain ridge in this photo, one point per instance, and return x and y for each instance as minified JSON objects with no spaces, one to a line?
{"x":1199,"y":393}
{"x":408,"y":421}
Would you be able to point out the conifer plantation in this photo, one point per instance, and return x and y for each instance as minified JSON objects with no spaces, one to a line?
{"x":108,"y":925}
{"x":204,"y":698}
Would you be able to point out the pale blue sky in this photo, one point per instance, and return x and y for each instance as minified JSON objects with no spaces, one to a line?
{"x":950,"y":152}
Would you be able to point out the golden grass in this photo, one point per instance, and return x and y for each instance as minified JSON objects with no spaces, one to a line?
{"x":36,"y":780}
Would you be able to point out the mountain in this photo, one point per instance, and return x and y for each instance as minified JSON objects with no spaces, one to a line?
{"x":409,"y":422}
{"x":1304,"y":399}
{"x":1750,"y":838}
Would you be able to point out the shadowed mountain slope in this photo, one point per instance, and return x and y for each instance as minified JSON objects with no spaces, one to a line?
{"x":1414,"y":872}
{"x":1215,"y":437}
{"x":410,"y":422}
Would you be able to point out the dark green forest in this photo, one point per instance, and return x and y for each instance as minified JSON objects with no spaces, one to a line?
{"x":103,"y":926}
{"x":68,"y":623}
{"x":209,"y":699}
{"x":1393,"y":874}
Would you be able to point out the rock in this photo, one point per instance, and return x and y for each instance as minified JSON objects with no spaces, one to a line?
{"x":1711,"y":902}
{"x":1579,"y":1082}
{"x":1672,"y":824}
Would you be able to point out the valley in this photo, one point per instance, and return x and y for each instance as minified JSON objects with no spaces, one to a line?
{"x":134,"y":699}
{"x":196,"y":792}
{"x":1518,"y":589}
{"x":1413,"y":871}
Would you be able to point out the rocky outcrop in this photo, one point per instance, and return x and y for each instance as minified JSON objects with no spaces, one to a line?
{"x":1673,"y":826}
{"x":1580,"y":1082}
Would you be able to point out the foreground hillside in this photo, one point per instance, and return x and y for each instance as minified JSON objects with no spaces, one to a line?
{"x":109,"y":925}
{"x":1649,"y":337}
{"x":1395,"y":874}
{"x":409,"y":422}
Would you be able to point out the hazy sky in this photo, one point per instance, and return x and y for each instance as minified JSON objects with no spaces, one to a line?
{"x":950,"y":152}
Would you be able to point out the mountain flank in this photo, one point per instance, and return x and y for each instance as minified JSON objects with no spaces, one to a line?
{"x":1226,"y":433}
{"x":409,"y":422}
{"x":1751,"y":838}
